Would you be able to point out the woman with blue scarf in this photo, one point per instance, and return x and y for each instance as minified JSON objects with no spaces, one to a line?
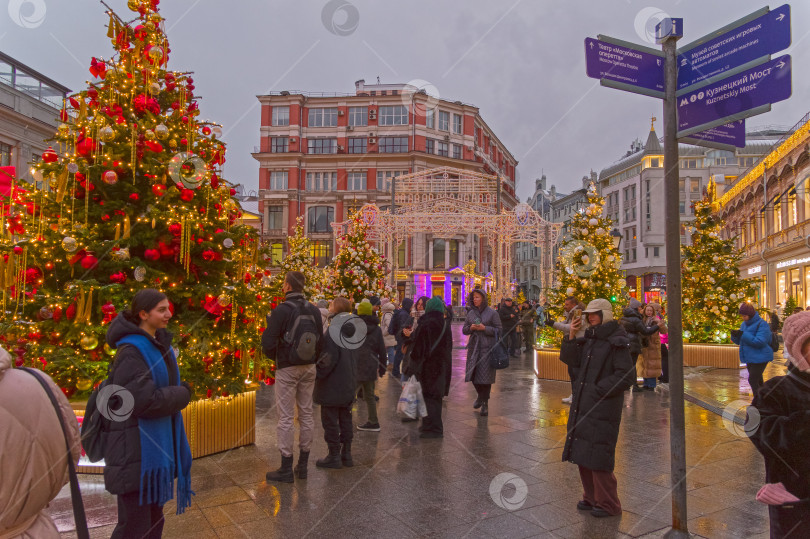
{"x":146,"y":447}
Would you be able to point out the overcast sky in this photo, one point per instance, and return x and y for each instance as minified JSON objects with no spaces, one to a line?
{"x":520,"y":61}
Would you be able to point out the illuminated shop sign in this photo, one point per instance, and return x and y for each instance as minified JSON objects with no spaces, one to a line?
{"x":755,"y":270}
{"x":794,"y":262}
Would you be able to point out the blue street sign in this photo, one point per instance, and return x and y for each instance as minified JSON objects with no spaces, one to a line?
{"x":726,"y":136}
{"x":733,"y":47}
{"x":669,"y":27}
{"x":734,"y":97}
{"x":625,"y":65}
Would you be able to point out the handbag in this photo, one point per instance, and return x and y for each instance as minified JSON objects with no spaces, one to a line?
{"x":79,"y":517}
{"x":498,"y":357}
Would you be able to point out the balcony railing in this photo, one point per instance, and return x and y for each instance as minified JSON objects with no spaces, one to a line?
{"x":777,"y":239}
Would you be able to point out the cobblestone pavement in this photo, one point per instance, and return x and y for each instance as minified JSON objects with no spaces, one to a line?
{"x":404,"y":486}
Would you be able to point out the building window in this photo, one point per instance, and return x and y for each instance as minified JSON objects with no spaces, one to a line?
{"x":5,"y":155}
{"x":777,"y":216}
{"x":444,"y":120}
{"x":322,"y":145}
{"x":682,"y":207}
{"x":384,"y":178}
{"x":656,"y":252}
{"x":453,"y":262}
{"x":430,"y":118}
{"x":456,"y":151}
{"x":393,"y":145}
{"x":320,"y":219}
{"x":457,"y":123}
{"x":358,"y":116}
{"x":791,"y":209}
{"x":321,"y":252}
{"x":691,"y":163}
{"x":356,"y":181}
{"x":325,"y":117}
{"x":358,"y":145}
{"x":694,"y":186}
{"x":275,"y":217}
{"x":394,"y":115}
{"x":321,"y":181}
{"x":430,"y":146}
{"x":281,"y":115}
{"x":276,"y":253}
{"x":655,"y":162}
{"x":278,"y":180}
{"x":438,"y":254}
{"x":279,"y":144}
{"x":443,"y":149}
{"x":401,"y":254}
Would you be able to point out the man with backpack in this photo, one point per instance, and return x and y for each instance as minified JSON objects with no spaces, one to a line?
{"x":293,"y":339}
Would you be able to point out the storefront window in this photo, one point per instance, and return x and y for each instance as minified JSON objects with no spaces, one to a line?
{"x":777,"y":216}
{"x":781,"y":287}
{"x":796,"y":285}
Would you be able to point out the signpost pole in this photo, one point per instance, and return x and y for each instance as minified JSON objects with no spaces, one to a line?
{"x":677,"y":423}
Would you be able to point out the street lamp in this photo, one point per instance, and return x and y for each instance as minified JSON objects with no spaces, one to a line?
{"x":617,"y":237}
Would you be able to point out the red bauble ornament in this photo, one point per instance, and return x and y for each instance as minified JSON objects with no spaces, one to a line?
{"x":89,"y":262}
{"x":214,"y":181}
{"x":134,"y":197}
{"x":92,"y":93}
{"x":118,"y":277}
{"x":209,"y":255}
{"x":151,"y":254}
{"x":57,"y":314}
{"x":159,"y":190}
{"x":18,"y":250}
{"x":175,"y":229}
{"x":85,"y":146}
{"x":186,"y":195}
{"x":49,"y":155}
{"x":143,"y":104}
{"x":32,"y":274}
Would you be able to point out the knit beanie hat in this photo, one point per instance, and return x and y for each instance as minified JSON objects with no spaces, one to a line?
{"x":365,"y":308}
{"x":748,"y":310}
{"x":436,"y":303}
{"x":374,"y":300}
{"x":796,"y":332}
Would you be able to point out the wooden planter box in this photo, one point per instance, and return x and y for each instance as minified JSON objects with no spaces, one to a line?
{"x":547,"y":365}
{"x":722,"y":356}
{"x":211,"y":426}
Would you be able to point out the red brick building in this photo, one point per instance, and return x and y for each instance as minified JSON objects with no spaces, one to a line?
{"x":321,"y":156}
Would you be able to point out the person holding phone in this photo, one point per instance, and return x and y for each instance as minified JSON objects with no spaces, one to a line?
{"x":573,"y":311}
{"x":481,"y":323}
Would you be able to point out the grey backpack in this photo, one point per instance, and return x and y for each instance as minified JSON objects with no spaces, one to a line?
{"x":303,"y":335}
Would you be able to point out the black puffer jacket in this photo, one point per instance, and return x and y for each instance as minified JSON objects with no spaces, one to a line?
{"x":336,"y":371}
{"x":433,"y":368}
{"x":122,"y":458}
{"x":509,"y":316}
{"x":781,"y":432}
{"x":372,"y":356}
{"x":604,"y":370}
{"x":633,"y":324}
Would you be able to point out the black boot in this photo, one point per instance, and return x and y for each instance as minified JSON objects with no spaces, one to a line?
{"x":332,"y":460}
{"x":283,"y":474}
{"x":478,"y":402}
{"x":346,"y":455}
{"x":301,"y":468}
{"x":485,"y":408}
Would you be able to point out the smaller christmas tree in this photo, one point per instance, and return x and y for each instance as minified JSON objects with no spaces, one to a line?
{"x":589,"y":265}
{"x":299,"y":258}
{"x":358,"y":270}
{"x":712,"y":287}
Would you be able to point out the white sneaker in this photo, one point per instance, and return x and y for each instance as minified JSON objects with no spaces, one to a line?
{"x":568,"y":399}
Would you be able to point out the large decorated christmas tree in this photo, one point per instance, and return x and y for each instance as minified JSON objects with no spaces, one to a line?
{"x":358,"y":270}
{"x":130,"y":195}
{"x":712,"y":287}
{"x":299,"y":258}
{"x":588,"y":266}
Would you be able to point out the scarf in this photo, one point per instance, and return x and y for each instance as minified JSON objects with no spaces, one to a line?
{"x":159,"y":464}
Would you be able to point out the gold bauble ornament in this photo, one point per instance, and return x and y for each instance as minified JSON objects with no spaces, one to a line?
{"x":149,"y":25}
{"x":224,"y":299}
{"x":134,"y":4}
{"x":88,"y":342}
{"x":83,"y":384}
{"x":64,"y":129}
{"x":149,"y":134}
{"x":162,"y":132}
{"x":106,"y":133}
{"x":154,"y":88}
{"x":173,"y":144}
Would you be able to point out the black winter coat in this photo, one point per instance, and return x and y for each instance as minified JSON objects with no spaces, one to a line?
{"x":336,"y":371}
{"x":122,"y":456}
{"x":509,"y":316}
{"x":633,"y":324}
{"x":433,"y":368}
{"x":279,"y":321}
{"x":372,"y":356}
{"x":604,"y":370}
{"x":781,"y":432}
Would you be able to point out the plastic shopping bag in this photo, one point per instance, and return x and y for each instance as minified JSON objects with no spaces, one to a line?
{"x":411,"y":402}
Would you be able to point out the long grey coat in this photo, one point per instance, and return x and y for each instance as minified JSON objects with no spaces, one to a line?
{"x":480,"y":343}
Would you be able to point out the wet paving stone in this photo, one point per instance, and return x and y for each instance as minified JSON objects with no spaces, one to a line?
{"x":404,"y":486}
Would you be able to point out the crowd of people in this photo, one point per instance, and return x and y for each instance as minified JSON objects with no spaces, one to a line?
{"x":332,"y":354}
